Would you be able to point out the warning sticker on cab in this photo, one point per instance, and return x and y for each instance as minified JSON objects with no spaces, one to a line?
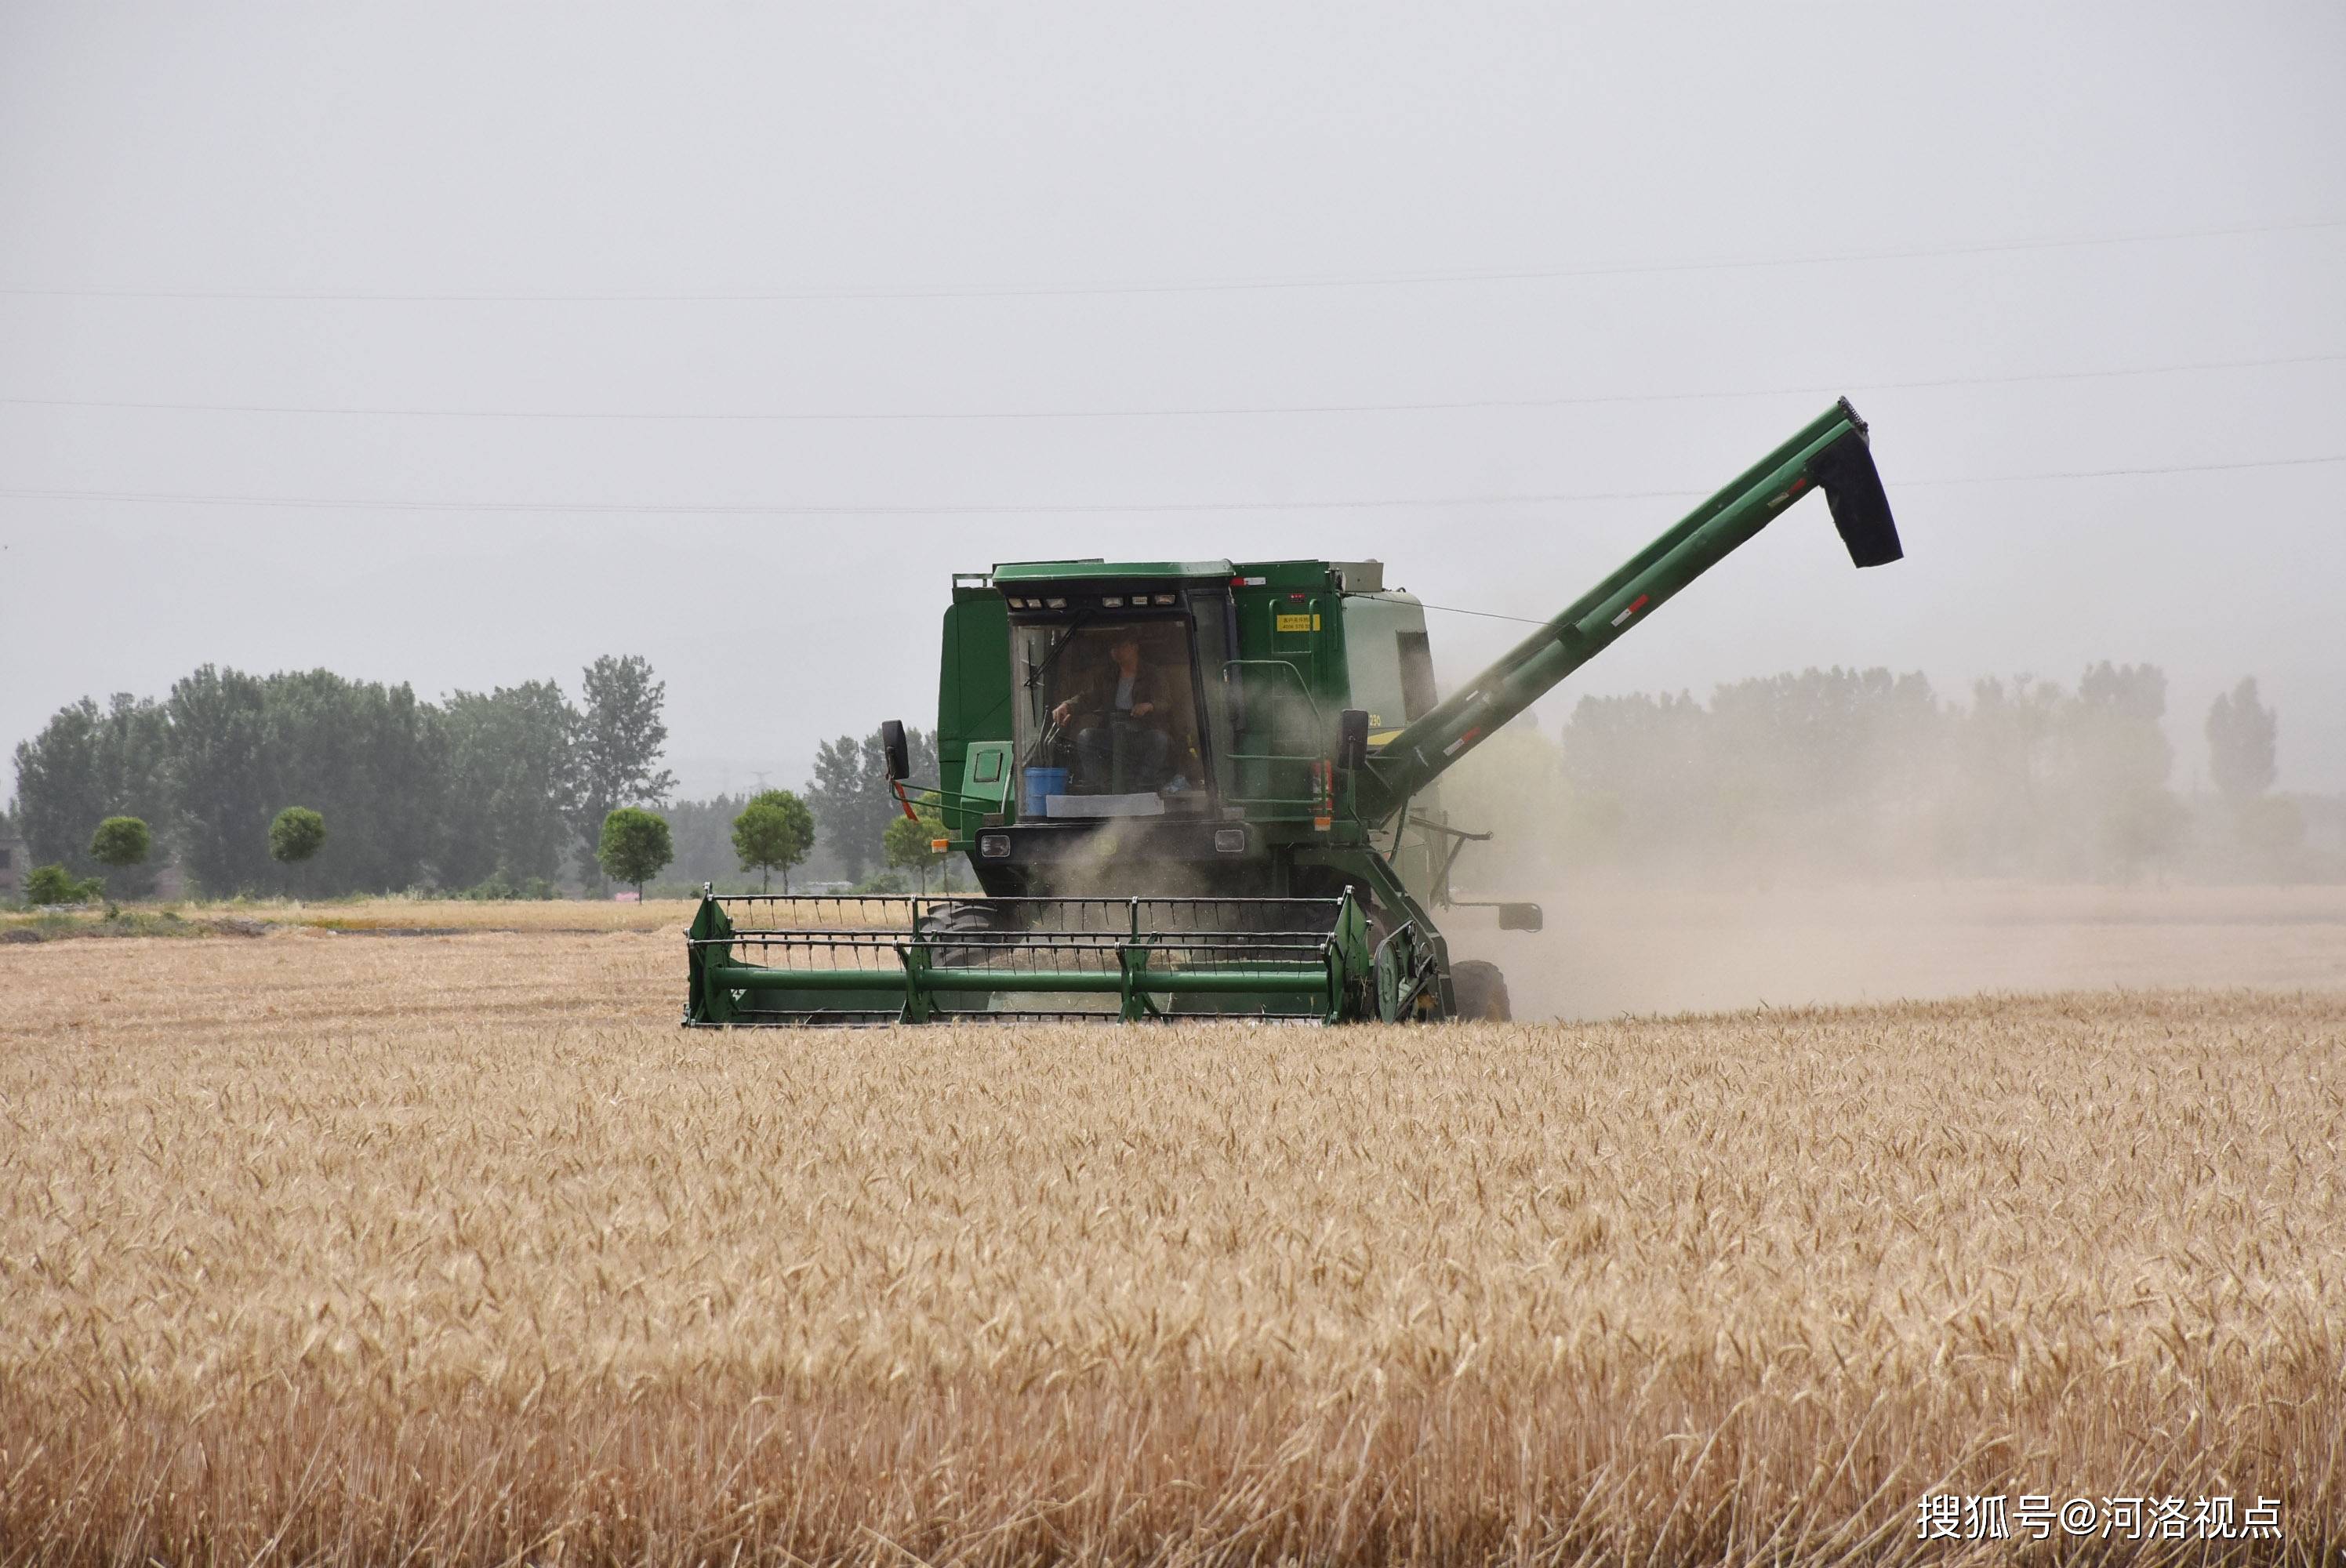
{"x":1299,"y":623}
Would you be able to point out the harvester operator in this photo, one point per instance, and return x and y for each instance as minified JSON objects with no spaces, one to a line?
{"x":1118,"y":695}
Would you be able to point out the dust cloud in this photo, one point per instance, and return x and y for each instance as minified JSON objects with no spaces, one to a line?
{"x":1612,"y":947}
{"x":1853,"y":836}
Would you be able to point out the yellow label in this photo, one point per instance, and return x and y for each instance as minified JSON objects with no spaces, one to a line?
{"x":1299,"y":623}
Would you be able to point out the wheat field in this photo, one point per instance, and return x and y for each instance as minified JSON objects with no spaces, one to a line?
{"x":321,"y":1249}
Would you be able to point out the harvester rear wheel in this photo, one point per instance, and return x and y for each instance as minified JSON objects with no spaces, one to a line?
{"x":1481,"y":991}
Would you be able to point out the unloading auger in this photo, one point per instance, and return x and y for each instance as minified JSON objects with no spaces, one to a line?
{"x":1196,"y":788}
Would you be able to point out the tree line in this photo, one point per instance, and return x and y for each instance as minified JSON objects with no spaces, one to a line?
{"x":511,"y":791}
{"x":510,"y":785}
{"x":1875,"y":774}
{"x":515,"y":791}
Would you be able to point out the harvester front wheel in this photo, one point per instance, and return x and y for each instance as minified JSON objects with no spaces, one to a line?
{"x":1481,"y":991}
{"x":960,"y":919}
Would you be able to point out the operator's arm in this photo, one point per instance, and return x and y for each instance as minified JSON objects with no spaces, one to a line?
{"x":1076,"y":701}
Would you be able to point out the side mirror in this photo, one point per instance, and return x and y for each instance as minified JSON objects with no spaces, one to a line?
{"x":900,"y":758}
{"x":1521,"y":916}
{"x":1351,"y":737}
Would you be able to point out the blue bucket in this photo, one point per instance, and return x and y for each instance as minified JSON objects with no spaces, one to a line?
{"x":1041,"y":784}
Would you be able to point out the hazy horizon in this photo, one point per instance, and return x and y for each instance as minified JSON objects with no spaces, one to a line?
{"x":913,"y":290}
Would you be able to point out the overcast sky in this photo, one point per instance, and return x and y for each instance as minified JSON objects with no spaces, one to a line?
{"x":1641,"y":243}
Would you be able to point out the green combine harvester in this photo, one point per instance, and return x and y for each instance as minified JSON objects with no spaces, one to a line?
{"x":1201,"y":788}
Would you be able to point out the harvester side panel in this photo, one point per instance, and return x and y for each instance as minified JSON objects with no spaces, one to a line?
{"x":973,"y":694}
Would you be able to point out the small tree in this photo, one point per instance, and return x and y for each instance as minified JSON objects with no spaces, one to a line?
{"x":634,"y":846}
{"x":616,"y":743}
{"x":911,"y":843}
{"x":56,"y":885}
{"x":773,"y":833}
{"x":121,"y":842}
{"x":297,"y":834}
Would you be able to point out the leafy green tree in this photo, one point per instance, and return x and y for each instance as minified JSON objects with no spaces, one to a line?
{"x":773,"y":833}
{"x":2243,"y":738}
{"x":368,"y":756}
{"x":703,"y":833}
{"x":87,"y":764}
{"x":220,"y":778}
{"x":121,"y":842}
{"x":635,"y":844}
{"x":849,"y":813}
{"x":911,"y":843}
{"x":56,"y":885}
{"x":372,"y":759}
{"x":511,"y":786}
{"x":850,"y":797}
{"x":615,"y":746}
{"x":295,"y":835}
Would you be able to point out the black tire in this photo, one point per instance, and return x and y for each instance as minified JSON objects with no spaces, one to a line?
{"x":970,"y":919}
{"x":1481,"y":991}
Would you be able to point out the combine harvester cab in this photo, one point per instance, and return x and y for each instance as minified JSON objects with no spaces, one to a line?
{"x":1206,"y":787}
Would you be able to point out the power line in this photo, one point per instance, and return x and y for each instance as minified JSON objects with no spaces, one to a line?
{"x":1199,"y":411}
{"x":1483,"y":615}
{"x":1206,"y":286}
{"x":2130,"y":472}
{"x":312,"y":502}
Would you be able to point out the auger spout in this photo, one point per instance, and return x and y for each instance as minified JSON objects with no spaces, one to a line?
{"x":1830,"y":454}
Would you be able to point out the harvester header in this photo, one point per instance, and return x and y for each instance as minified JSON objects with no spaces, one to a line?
{"x":1210,"y":787}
